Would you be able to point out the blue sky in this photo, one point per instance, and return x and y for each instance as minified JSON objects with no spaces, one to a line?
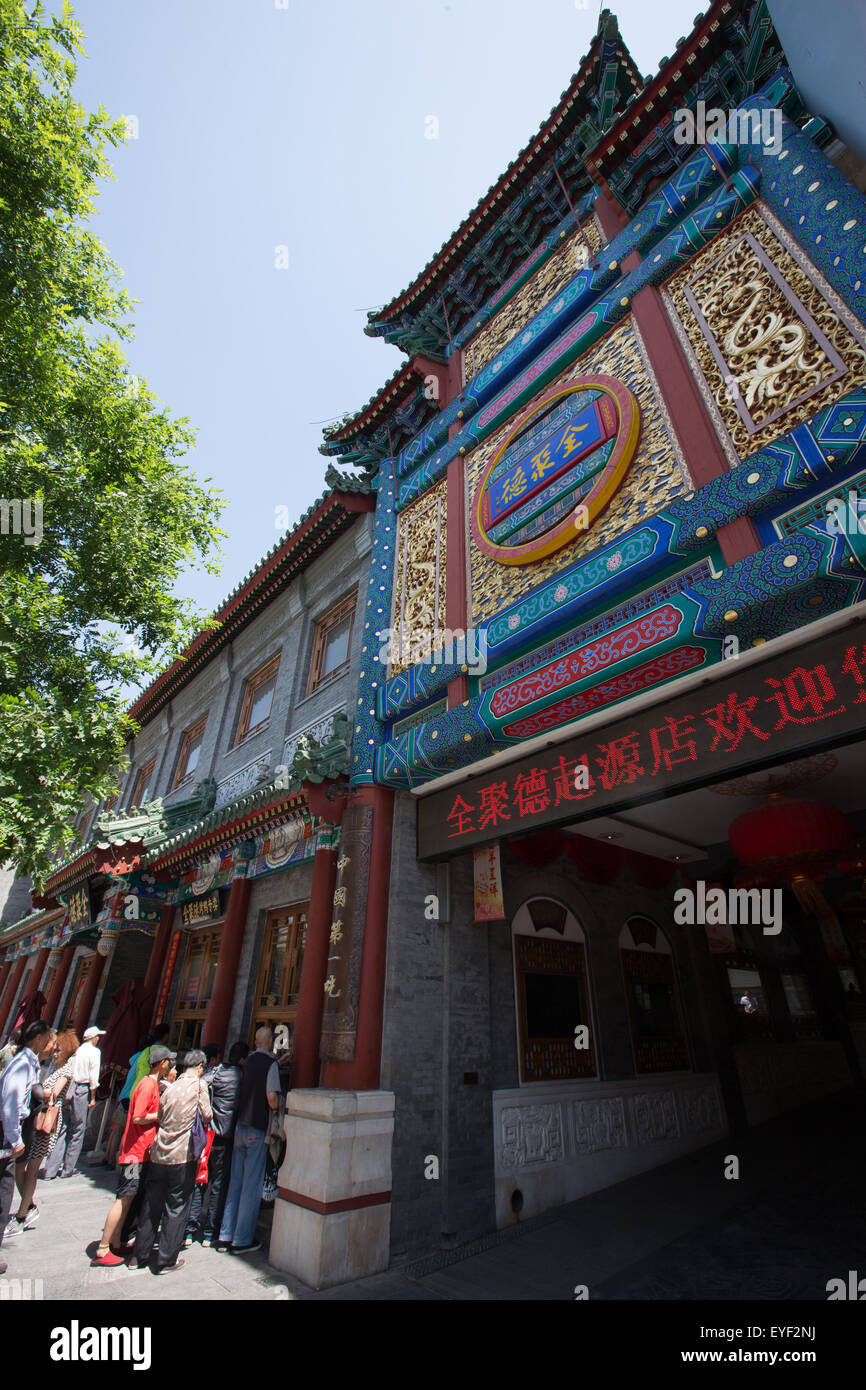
{"x":301,"y":125}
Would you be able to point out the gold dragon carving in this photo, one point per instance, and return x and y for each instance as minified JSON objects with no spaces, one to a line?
{"x":775,"y":368}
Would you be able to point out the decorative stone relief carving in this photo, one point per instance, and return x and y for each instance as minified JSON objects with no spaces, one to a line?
{"x":598,"y":1125}
{"x":244,"y":780}
{"x":655,"y":1117}
{"x":531,"y":1134}
{"x":321,"y":731}
{"x":700,"y":1109}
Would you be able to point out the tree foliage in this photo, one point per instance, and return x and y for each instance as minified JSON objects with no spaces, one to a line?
{"x":91,"y":610}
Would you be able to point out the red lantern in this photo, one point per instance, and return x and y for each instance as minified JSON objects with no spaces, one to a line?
{"x":793,"y":840}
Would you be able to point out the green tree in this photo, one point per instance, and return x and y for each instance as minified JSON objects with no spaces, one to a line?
{"x":90,"y":611}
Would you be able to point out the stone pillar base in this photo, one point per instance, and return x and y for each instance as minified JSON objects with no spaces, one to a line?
{"x":332,"y":1216}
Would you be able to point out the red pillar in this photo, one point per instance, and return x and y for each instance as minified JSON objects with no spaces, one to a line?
{"x":610,"y":212}
{"x":216,"y":1024}
{"x":311,"y":1001}
{"x":4,"y":976}
{"x":362,"y":1074}
{"x":10,"y":992}
{"x":88,"y":996}
{"x":39,"y":968}
{"x":60,"y":977}
{"x":153,"y":974}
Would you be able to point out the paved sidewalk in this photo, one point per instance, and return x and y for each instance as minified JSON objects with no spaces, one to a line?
{"x":795,"y":1218}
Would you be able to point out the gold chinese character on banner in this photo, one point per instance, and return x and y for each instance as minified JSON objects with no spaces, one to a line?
{"x":341,"y":863}
{"x":340,"y":897}
{"x":330,"y":989}
{"x":336,"y":932}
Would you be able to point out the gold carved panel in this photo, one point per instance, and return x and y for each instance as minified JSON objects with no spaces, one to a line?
{"x":767,"y":346}
{"x":544,"y":285}
{"x":419,"y":579}
{"x":656,"y":476}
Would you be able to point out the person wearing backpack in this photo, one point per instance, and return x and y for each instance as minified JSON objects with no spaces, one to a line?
{"x":184,"y":1110}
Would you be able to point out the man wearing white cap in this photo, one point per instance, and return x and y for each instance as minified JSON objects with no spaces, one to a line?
{"x":86,"y":1065}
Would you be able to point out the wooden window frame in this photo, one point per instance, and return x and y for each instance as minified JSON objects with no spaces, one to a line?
{"x":287,"y":1010}
{"x":194,"y":1014}
{"x":333,"y":618}
{"x":145,"y":775}
{"x":182,"y":775}
{"x":254,"y":683}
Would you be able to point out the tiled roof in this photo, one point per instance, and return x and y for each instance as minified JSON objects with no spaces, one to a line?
{"x":271,"y":796}
{"x":27,"y":923}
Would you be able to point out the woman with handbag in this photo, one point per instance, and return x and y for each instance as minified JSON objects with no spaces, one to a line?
{"x":43,"y":1126}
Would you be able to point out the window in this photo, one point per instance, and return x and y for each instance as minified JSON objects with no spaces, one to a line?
{"x":551,"y":993}
{"x":194,"y":991}
{"x":331,"y":649}
{"x":657,"y":1033}
{"x":143,"y":784}
{"x":749,"y":1000}
{"x":190,"y":749}
{"x":258,"y":697}
{"x":276,"y":999}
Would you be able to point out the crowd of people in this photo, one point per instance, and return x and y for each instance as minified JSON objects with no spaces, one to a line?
{"x":194,"y":1140}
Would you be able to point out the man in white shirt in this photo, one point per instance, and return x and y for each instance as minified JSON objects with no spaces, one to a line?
{"x":80,"y":1096}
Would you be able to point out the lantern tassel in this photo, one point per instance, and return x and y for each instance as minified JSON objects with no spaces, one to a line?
{"x":810,"y":897}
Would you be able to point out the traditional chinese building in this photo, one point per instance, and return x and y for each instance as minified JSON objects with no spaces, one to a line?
{"x":613,"y":669}
{"x":203,"y":877}
{"x":605,"y":673}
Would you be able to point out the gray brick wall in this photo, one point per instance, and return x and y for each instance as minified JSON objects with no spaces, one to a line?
{"x":287,"y":628}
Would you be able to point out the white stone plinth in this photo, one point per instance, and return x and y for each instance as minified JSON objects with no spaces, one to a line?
{"x":338,"y":1157}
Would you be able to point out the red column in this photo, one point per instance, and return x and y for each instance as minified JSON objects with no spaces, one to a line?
{"x":610,"y":212}
{"x":39,"y":968}
{"x":216,"y":1024}
{"x":60,"y":978}
{"x":167,"y":979}
{"x":88,"y":996}
{"x":153,"y":974}
{"x":4,"y":975}
{"x":362,"y":1074}
{"x":10,"y":992}
{"x":311,"y":1001}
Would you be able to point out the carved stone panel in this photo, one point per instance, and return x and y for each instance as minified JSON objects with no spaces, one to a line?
{"x":243,"y":780}
{"x":700,"y":1109}
{"x":321,"y":731}
{"x":530,"y":1134}
{"x":598,"y":1125}
{"x":654,"y":1115}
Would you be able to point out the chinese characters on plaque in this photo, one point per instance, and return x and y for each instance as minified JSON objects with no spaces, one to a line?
{"x":775,"y":708}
